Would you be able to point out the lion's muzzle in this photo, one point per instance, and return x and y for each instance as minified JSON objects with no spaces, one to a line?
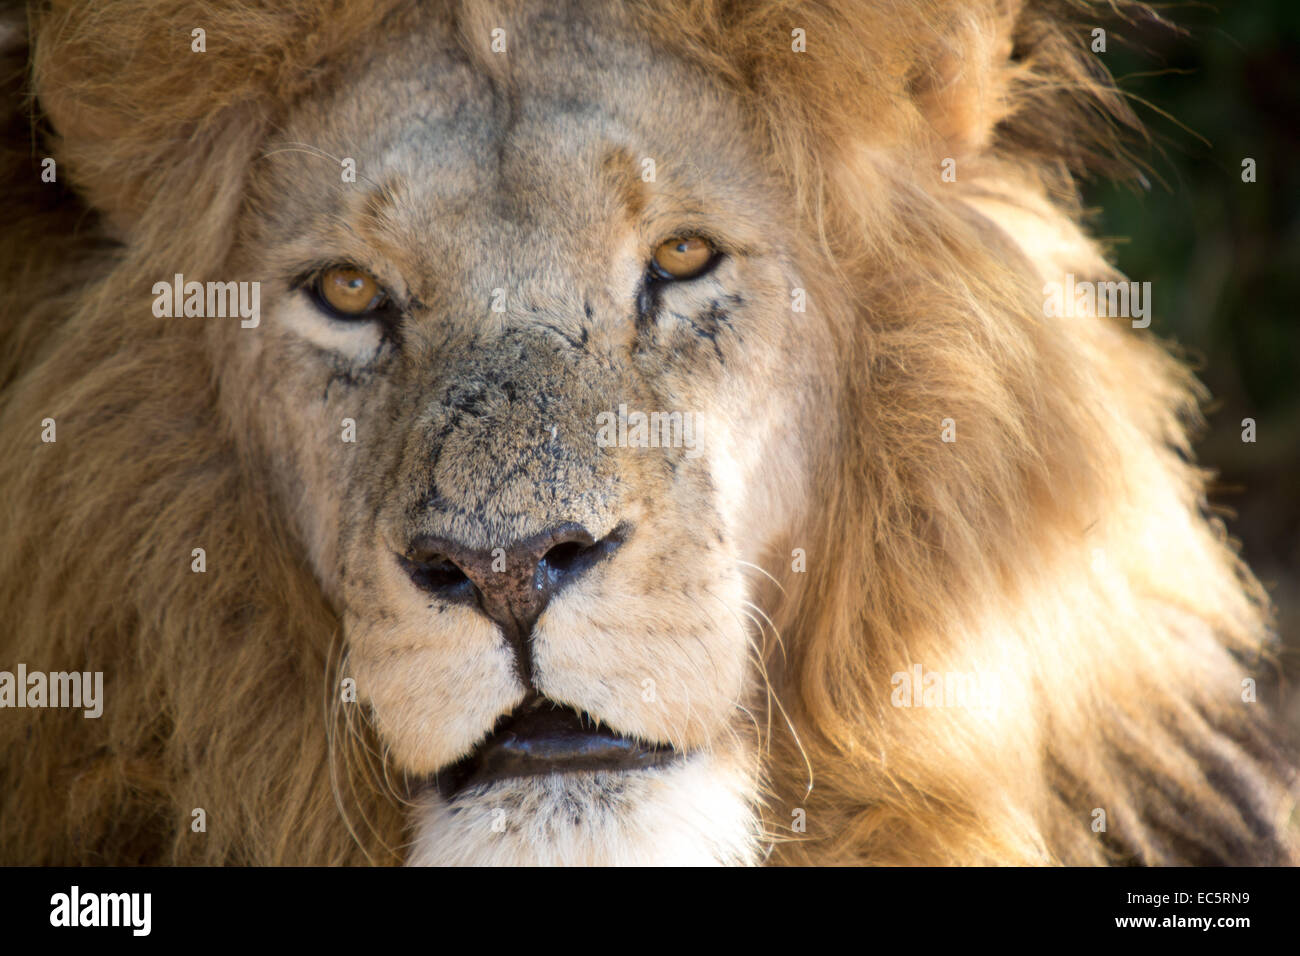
{"x":511,"y":585}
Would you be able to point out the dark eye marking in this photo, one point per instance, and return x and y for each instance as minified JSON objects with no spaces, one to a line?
{"x":709,"y":323}
{"x":647,"y":302}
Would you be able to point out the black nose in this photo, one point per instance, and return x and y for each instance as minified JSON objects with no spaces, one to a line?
{"x":511,"y":583}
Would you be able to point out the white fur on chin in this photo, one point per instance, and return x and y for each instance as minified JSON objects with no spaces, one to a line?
{"x":692,"y":813}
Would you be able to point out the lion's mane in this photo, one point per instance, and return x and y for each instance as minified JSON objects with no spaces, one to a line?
{"x":1060,"y":541}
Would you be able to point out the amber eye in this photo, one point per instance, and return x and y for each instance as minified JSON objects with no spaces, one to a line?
{"x":682,"y":258}
{"x":348,"y":292}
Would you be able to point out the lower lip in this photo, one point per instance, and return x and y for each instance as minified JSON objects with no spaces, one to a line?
{"x":544,"y":756}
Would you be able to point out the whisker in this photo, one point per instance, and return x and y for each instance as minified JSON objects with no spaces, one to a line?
{"x":319,"y":153}
{"x":331,"y":730}
{"x":762,"y":571}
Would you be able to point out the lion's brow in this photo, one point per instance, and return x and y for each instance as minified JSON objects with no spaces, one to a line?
{"x":381,"y":200}
{"x":630,"y":190}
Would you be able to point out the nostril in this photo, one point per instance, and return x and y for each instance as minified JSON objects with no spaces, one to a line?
{"x":568,"y":559}
{"x":564,"y":557}
{"x":437,"y":574}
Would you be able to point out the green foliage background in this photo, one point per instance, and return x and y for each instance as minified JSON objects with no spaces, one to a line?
{"x":1223,"y":256}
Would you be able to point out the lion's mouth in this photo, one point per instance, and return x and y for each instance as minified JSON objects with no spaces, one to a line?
{"x":542,"y":737}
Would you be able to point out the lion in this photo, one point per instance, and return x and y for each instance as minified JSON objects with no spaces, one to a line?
{"x":506,"y":432}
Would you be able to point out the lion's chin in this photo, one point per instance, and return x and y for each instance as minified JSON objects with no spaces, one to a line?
{"x":693,"y":812}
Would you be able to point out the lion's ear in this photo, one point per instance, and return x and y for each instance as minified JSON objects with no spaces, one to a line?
{"x":963,"y":86}
{"x":158,"y":106}
{"x":139,"y":108}
{"x":1006,"y":71}
{"x":95,"y":153}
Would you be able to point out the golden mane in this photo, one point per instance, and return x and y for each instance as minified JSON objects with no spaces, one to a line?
{"x":1068,"y":490}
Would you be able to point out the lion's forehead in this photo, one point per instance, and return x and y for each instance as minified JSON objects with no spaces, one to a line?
{"x":534,"y":153}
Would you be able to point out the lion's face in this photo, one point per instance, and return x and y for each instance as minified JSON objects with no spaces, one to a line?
{"x":464,"y":464}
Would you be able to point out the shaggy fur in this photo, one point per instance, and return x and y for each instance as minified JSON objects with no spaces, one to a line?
{"x":1059,"y":543}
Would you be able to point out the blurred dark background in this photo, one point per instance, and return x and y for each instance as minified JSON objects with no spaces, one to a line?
{"x":1223,"y":256}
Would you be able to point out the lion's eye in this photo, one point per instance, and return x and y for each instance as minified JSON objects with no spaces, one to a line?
{"x":682,"y":258}
{"x":349,"y":292}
